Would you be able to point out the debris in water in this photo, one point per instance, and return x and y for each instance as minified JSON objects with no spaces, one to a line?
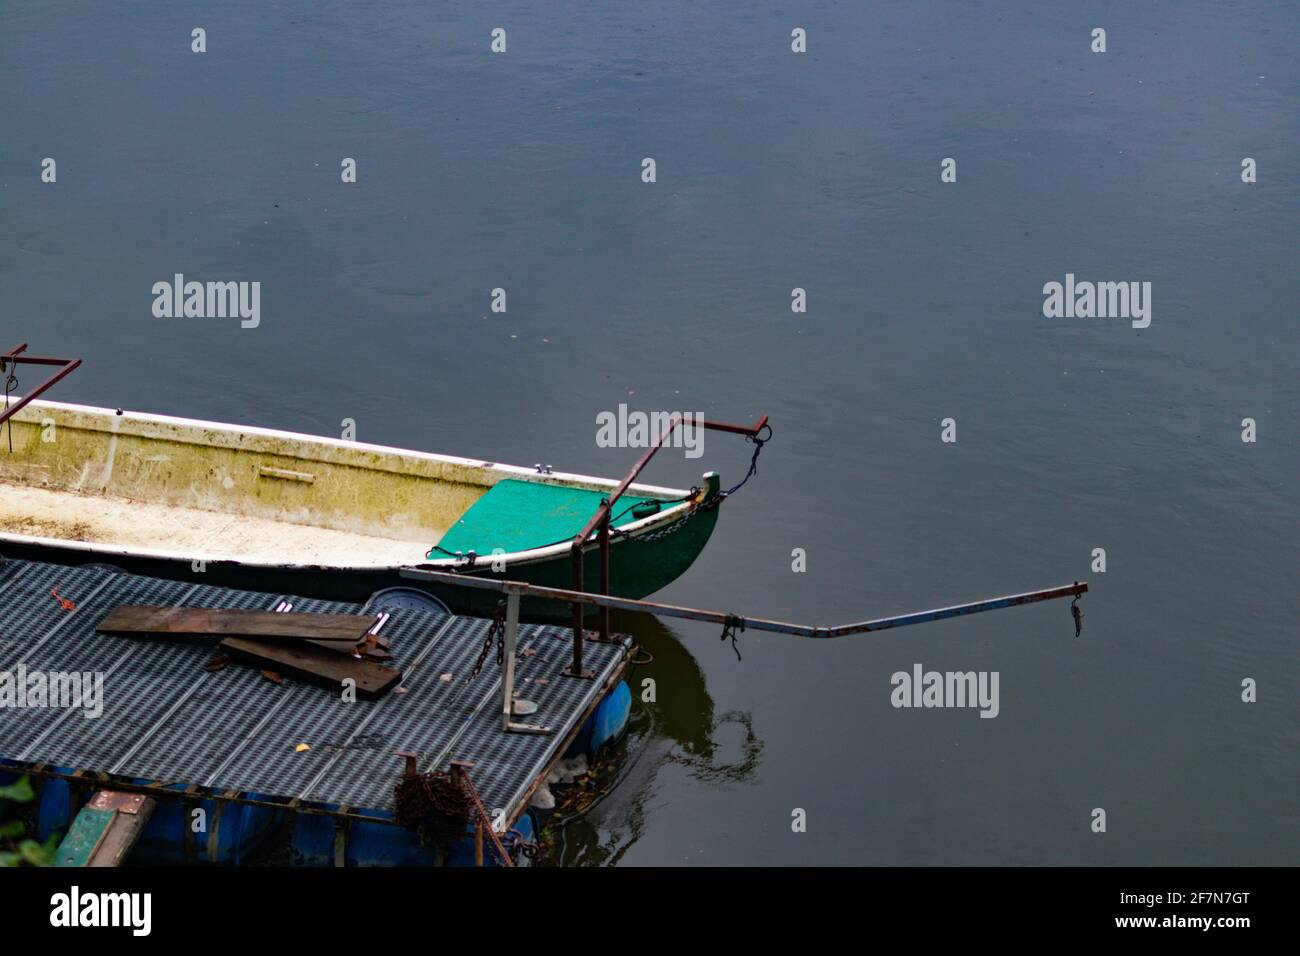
{"x":567,"y":771}
{"x":301,"y":747}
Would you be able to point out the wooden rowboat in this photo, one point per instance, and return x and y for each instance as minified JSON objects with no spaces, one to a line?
{"x":278,"y":511}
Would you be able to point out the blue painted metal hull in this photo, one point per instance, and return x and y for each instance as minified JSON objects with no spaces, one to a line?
{"x":606,"y":725}
{"x":374,"y":844}
{"x":235,"y":831}
{"x":232,"y":831}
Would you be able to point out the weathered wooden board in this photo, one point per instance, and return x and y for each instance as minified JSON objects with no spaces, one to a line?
{"x":315,"y":665}
{"x":204,"y":622}
{"x":105,"y":829}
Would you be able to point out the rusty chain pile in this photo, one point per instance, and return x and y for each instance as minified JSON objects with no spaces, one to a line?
{"x":439,"y":809}
{"x":434,"y":807}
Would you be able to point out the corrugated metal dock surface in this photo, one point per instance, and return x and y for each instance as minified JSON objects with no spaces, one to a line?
{"x":167,"y":719}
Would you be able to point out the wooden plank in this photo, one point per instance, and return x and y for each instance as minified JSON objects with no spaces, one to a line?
{"x":122,"y":835}
{"x":203,"y":622}
{"x":105,"y":829}
{"x":315,"y":665}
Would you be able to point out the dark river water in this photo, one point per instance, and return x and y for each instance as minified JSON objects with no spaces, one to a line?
{"x":774,"y":171}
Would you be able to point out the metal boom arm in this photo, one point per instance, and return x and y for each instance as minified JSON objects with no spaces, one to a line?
{"x":522,"y":589}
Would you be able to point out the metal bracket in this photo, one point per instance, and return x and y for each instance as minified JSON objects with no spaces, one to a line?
{"x":117,"y":800}
{"x":14,"y":358}
{"x":510,"y":640}
{"x":514,"y":728}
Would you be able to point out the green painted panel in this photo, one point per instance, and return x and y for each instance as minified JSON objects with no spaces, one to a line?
{"x":83,"y":836}
{"x":518,"y":515}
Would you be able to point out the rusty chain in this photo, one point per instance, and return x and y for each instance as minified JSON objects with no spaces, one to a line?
{"x":496,"y":633}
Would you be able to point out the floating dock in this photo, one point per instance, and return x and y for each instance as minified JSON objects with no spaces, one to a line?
{"x":175,"y":730}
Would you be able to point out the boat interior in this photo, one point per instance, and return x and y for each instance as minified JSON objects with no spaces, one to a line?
{"x":136,"y":482}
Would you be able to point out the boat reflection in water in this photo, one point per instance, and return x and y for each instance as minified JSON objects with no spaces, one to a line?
{"x":598,"y":820}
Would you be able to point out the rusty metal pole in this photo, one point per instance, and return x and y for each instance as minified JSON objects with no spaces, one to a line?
{"x":510,"y":640}
{"x":578,"y":581}
{"x":604,"y":576}
{"x":460,"y":777}
{"x":10,"y":360}
{"x":409,"y":768}
{"x":603,"y":511}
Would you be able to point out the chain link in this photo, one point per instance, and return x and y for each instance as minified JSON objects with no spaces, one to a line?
{"x":496,"y":633}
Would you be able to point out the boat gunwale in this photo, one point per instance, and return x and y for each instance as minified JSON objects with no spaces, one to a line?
{"x":240,"y":432}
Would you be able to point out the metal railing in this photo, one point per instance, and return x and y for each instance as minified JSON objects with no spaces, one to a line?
{"x":599,"y":525}
{"x":9,"y":363}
